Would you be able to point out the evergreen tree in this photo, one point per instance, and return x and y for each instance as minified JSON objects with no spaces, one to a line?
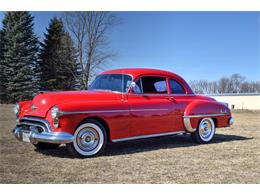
{"x":19,"y":56}
{"x":57,"y":58}
{"x":2,"y":77}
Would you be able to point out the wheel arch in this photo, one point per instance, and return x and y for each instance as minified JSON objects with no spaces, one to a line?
{"x":100,"y":120}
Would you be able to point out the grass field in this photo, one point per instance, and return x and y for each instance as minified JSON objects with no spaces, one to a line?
{"x":233,"y":157}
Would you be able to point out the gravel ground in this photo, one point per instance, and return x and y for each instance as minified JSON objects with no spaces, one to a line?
{"x":233,"y":157}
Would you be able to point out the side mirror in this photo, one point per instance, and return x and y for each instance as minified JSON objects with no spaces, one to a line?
{"x":135,"y":88}
{"x":132,"y":85}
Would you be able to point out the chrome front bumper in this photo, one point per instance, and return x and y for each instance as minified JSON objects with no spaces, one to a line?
{"x":34,"y":136}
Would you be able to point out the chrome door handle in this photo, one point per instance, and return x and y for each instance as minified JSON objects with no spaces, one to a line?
{"x":171,"y":99}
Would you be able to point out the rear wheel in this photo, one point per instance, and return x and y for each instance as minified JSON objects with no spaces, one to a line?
{"x":205,"y":131}
{"x":90,"y":139}
{"x":46,"y":146}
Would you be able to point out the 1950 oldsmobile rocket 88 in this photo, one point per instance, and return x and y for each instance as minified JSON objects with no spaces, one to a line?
{"x":120,"y":105}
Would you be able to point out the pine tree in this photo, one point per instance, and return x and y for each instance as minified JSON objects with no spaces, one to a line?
{"x":57,"y":58}
{"x":2,"y":77}
{"x":19,"y":56}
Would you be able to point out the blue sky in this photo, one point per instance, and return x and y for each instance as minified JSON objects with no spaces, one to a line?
{"x":195,"y":45}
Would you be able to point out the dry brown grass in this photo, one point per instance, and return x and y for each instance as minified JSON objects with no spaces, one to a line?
{"x":233,"y":157}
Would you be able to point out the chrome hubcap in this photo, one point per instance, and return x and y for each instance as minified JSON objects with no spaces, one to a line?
{"x":88,"y":139}
{"x":206,"y":129}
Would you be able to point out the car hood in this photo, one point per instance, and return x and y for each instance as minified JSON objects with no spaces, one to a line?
{"x":43,"y":102}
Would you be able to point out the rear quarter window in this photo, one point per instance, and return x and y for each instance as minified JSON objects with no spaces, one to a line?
{"x":176,"y":87}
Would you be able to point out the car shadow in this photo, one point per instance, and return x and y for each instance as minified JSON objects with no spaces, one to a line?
{"x":144,"y":145}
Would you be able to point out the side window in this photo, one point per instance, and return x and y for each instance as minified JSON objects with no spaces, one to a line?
{"x":138,"y":87}
{"x":151,"y":84}
{"x":176,"y":87}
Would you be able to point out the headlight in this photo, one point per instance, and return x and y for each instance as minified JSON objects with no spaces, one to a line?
{"x":17,"y":110}
{"x":55,"y":112}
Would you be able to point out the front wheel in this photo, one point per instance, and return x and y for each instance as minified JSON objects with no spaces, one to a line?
{"x":205,"y":131}
{"x":90,"y":139}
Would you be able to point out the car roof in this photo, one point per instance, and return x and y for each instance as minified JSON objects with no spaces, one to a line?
{"x":135,"y":72}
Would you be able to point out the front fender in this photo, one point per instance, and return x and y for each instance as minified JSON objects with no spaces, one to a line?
{"x":24,"y":107}
{"x":74,"y":112}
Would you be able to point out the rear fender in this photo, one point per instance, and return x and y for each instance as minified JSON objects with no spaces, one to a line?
{"x":199,"y":109}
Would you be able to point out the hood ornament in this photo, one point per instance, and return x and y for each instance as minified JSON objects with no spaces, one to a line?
{"x":33,"y":107}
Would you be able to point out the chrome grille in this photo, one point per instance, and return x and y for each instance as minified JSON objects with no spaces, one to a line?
{"x":31,"y":123}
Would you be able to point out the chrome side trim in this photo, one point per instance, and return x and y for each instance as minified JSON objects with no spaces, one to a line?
{"x":62,"y":113}
{"x":149,"y":109}
{"x":188,"y":126}
{"x":147,"y":136}
{"x":161,"y":95}
{"x":203,"y":115}
{"x":187,"y":122}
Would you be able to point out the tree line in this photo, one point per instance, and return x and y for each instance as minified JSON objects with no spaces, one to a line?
{"x":75,"y":46}
{"x":233,"y":84}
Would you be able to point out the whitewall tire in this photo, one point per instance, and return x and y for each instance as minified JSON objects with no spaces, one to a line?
{"x":89,"y":139}
{"x":205,"y":131}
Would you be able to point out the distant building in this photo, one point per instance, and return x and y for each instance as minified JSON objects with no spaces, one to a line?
{"x":249,"y":101}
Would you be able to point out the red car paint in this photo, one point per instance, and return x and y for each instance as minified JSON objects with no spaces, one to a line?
{"x":129,"y":114}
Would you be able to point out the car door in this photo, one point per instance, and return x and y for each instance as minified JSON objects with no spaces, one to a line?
{"x":180,"y":99}
{"x":150,"y":107}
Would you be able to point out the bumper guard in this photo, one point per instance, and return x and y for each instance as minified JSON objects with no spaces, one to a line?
{"x":33,"y":136}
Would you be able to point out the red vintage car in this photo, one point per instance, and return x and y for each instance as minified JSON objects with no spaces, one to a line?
{"x":120,"y":105}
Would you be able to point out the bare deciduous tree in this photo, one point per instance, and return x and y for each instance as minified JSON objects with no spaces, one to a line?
{"x":233,"y":84}
{"x":90,"y":35}
{"x":224,"y":85}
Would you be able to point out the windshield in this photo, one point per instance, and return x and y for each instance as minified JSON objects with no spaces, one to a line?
{"x":112,"y":82}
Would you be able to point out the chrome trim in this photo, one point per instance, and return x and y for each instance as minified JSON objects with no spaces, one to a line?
{"x":46,"y":137}
{"x":141,"y":81}
{"x":234,"y":94}
{"x":17,"y":110}
{"x":62,"y":113}
{"x":33,"y":107}
{"x":203,"y":115}
{"x":184,"y":94}
{"x":160,"y":95}
{"x":188,"y":126}
{"x":224,"y":103}
{"x":231,"y":121}
{"x":32,"y":124}
{"x":187,"y":122}
{"x":147,"y":136}
{"x":57,"y":137}
{"x":47,"y":126}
